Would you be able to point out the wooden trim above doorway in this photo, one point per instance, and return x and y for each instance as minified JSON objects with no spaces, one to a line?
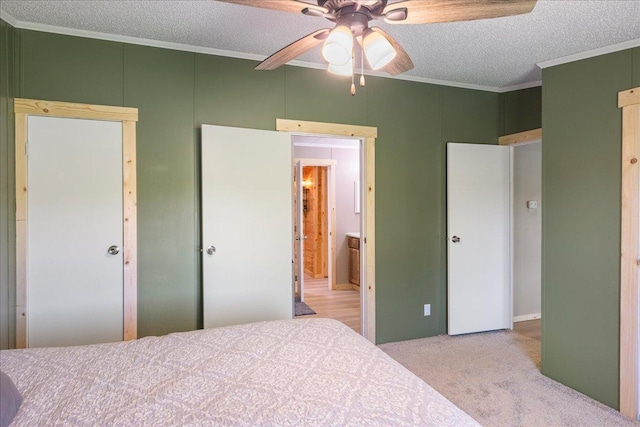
{"x":128,"y":116}
{"x":629,"y":101}
{"x":285,"y":125}
{"x":35,"y":107}
{"x":368,"y":135}
{"x":630,"y":97}
{"x":516,"y":138}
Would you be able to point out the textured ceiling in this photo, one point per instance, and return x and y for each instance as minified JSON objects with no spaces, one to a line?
{"x":495,"y":53}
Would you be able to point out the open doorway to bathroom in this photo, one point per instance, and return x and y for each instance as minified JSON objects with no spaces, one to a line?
{"x":327,"y":228}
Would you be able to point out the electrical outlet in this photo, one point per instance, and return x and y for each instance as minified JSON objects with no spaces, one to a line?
{"x":427,"y":309}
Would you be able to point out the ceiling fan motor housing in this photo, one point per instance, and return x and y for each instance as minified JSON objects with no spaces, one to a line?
{"x":356,"y":20}
{"x":333,"y":5}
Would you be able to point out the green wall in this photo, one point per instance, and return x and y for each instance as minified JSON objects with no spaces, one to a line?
{"x":7,"y":188}
{"x":581,"y":221}
{"x":521,"y":110}
{"x":160,"y":83}
{"x":410,"y":196}
{"x":177,"y":91}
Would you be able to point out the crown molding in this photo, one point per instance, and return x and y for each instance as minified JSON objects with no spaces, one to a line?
{"x":521,"y":86}
{"x":435,"y":81}
{"x":8,"y":19}
{"x":629,"y":44}
{"x":125,"y":39}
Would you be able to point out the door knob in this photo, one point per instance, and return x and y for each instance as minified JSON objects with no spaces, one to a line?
{"x":113,"y":250}
{"x":211,"y":249}
{"x":455,"y":239}
{"x":303,"y":238}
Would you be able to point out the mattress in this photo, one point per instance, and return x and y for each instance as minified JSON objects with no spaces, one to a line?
{"x":303,"y":372}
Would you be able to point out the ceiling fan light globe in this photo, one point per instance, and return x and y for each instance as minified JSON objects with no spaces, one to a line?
{"x":342,"y":70}
{"x":338,"y":46}
{"x":335,"y":55}
{"x":378,"y":50}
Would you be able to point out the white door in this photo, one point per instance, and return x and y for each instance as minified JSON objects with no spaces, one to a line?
{"x":74,"y":173}
{"x":299,"y":234}
{"x":478,"y":236}
{"x":246,"y":225}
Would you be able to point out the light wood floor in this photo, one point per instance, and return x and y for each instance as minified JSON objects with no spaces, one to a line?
{"x":530,"y":328}
{"x":342,"y":305}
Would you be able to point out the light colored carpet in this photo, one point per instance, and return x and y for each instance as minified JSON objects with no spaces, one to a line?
{"x":495,"y":378}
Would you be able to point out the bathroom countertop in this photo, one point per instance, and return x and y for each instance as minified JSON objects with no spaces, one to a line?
{"x":354,"y":234}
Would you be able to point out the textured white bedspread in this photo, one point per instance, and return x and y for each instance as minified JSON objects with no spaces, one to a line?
{"x":304,"y":372}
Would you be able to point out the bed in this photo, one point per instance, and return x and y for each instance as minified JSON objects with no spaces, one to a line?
{"x":286,"y":373}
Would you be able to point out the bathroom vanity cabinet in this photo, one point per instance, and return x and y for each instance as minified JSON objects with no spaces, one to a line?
{"x":354,"y":259}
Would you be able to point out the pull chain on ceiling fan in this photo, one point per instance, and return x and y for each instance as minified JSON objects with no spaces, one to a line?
{"x":352,"y":18}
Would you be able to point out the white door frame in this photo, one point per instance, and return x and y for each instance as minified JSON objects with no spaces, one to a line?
{"x":368,"y":137}
{"x":330,"y":164}
{"x":297,"y":232}
{"x":629,"y":102}
{"x":128,"y":116}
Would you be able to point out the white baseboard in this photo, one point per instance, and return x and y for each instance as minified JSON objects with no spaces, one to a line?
{"x":526,"y":317}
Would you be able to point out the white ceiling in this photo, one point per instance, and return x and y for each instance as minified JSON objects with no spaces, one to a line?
{"x":495,"y":54}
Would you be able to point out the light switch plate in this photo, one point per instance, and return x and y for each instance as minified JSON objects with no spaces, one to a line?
{"x":427,"y":309}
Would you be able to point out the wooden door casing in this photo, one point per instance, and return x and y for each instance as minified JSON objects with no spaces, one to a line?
{"x":23,"y":108}
{"x":316,"y":224}
{"x":367,"y":135}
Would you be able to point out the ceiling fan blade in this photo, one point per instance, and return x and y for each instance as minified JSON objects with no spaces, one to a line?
{"x":434,"y":11}
{"x":293,"y":50}
{"x":401,"y":62}
{"x":295,"y":6}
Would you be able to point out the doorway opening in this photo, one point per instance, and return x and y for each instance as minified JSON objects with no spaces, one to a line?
{"x":526,"y":222}
{"x":327,"y":225}
{"x":526,"y":230}
{"x":367,"y":136}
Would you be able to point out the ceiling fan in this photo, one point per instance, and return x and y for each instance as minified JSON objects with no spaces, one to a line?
{"x":352,"y":18}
